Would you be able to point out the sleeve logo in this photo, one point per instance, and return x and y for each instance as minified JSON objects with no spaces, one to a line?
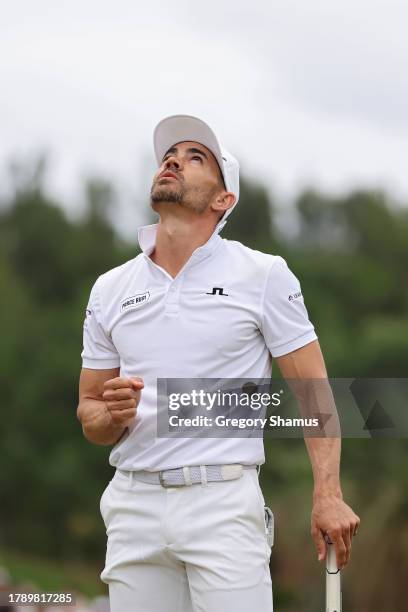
{"x":294,"y":296}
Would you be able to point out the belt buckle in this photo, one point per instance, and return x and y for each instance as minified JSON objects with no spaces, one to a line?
{"x":165,"y":484}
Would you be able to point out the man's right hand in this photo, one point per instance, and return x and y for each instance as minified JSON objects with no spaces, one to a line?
{"x":122,"y":397}
{"x":107,"y":404}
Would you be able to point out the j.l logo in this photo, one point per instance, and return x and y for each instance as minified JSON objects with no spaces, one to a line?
{"x":217,"y":291}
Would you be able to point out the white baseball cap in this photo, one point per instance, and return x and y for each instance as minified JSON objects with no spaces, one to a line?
{"x":181,"y":128}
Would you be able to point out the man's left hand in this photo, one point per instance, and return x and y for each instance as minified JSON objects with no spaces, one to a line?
{"x":331,"y":515}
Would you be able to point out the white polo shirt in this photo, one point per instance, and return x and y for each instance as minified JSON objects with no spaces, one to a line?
{"x":225,"y":313}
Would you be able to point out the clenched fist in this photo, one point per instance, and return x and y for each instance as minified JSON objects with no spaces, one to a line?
{"x":122,"y":397}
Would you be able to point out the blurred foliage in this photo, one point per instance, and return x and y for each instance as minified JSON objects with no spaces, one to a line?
{"x":351,"y":256}
{"x":51,"y":576}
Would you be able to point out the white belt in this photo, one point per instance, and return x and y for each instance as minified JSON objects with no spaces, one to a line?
{"x":189,"y":475}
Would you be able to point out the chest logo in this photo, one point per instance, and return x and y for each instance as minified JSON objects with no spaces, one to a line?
{"x":134,"y":301}
{"x":217,"y":291}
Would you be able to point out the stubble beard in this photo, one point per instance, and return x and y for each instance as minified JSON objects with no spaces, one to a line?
{"x":192,"y":198}
{"x":166,"y":194}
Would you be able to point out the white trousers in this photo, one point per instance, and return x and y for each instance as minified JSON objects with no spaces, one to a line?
{"x":197,"y":548}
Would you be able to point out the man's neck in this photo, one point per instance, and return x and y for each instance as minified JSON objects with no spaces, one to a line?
{"x":177,"y":239}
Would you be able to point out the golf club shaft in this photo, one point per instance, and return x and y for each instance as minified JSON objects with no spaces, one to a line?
{"x":333,"y":581}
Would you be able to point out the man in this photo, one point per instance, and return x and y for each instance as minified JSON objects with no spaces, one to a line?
{"x":185,"y":516}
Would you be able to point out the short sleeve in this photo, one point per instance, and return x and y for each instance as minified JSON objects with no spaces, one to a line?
{"x":99,"y":352}
{"x":285,"y":321}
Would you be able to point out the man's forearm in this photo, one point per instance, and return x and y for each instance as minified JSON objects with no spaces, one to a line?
{"x":97,"y":424}
{"x":315,"y":399}
{"x":324,"y":456}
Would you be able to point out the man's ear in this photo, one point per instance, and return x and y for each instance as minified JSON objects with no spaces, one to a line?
{"x":223,"y":201}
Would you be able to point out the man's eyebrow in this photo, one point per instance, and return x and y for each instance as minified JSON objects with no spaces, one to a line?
{"x":171,"y":150}
{"x":189,"y":150}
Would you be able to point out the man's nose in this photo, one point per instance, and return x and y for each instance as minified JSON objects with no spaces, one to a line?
{"x":172,"y":161}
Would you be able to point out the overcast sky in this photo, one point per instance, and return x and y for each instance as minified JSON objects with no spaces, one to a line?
{"x":303,"y":92}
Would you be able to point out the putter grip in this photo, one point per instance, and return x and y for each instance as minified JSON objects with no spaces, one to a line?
{"x":333,"y":581}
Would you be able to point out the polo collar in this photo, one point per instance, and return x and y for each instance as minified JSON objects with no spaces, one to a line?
{"x":146,"y":236}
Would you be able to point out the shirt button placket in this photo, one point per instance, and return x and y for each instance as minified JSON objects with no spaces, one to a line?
{"x":172,"y":299}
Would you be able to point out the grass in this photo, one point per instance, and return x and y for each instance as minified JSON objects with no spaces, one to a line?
{"x":49,"y":576}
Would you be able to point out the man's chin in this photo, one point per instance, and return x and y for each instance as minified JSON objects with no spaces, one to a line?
{"x":158,"y":205}
{"x":161,"y":196}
